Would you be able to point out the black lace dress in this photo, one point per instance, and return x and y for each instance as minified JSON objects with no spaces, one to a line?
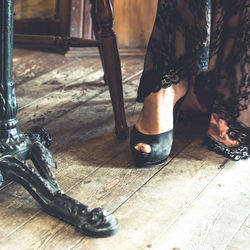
{"x":211,"y":40}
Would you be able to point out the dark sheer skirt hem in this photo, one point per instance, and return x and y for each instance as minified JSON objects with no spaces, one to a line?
{"x":154,"y":81}
{"x":236,"y":154}
{"x":147,"y":85}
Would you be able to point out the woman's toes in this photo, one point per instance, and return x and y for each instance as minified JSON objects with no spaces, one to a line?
{"x":143,"y":147}
{"x":146,"y":148}
{"x":231,"y":143}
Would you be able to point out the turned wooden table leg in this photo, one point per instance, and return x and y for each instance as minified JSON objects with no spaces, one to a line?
{"x":102,"y":15}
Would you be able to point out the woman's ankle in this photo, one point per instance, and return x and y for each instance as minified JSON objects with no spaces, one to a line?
{"x":156,"y":115}
{"x":180,"y":90}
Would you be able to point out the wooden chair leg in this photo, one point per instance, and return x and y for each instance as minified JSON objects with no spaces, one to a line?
{"x":102,"y":16}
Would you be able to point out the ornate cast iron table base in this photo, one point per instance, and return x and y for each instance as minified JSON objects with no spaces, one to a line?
{"x":17,"y":147}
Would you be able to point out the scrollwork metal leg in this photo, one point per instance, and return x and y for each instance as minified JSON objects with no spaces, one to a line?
{"x":17,"y":147}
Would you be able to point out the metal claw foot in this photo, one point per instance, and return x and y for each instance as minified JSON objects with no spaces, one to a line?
{"x":40,"y":182}
{"x":94,"y":223}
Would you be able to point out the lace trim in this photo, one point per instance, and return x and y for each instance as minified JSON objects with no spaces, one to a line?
{"x":235,"y":154}
{"x":184,"y":29}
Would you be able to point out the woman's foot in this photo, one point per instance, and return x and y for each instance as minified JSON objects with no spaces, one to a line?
{"x":156,"y":116}
{"x":219,"y":141}
{"x":218,"y":132}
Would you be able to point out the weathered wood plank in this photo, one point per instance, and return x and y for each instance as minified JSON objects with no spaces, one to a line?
{"x":161,"y":199}
{"x":21,"y":55}
{"x":85,"y":135}
{"x":28,"y":64}
{"x":16,"y":207}
{"x":242,"y":239}
{"x":86,"y":72}
{"x":219,"y":210}
{"x":71,"y":91}
{"x":59,"y":78}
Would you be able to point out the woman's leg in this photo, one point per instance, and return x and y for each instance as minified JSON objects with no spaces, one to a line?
{"x":156,"y":115}
{"x":228,"y":78}
{"x":170,"y":61}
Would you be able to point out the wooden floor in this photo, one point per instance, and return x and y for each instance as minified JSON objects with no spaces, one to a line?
{"x":199,"y":200}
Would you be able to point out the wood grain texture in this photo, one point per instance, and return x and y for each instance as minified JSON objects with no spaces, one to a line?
{"x":26,"y":9}
{"x":219,"y":210}
{"x":59,"y":78}
{"x":67,"y":87}
{"x":161,"y":200}
{"x":241,"y":240}
{"x":27,"y":65}
{"x":133,"y":22}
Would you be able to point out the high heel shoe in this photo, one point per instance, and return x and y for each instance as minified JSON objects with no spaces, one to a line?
{"x":160,"y":144}
{"x":160,"y":148}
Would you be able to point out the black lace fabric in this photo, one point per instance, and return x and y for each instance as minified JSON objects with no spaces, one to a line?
{"x":211,"y":40}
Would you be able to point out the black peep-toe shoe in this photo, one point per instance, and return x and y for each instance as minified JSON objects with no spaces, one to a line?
{"x":160,"y":144}
{"x":160,"y":148}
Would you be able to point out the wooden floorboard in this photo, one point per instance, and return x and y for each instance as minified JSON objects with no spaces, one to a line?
{"x":70,"y":91}
{"x":28,"y":64}
{"x":183,"y":205}
{"x":241,"y":239}
{"x":75,"y":72}
{"x":161,"y":200}
{"x":219,"y":210}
